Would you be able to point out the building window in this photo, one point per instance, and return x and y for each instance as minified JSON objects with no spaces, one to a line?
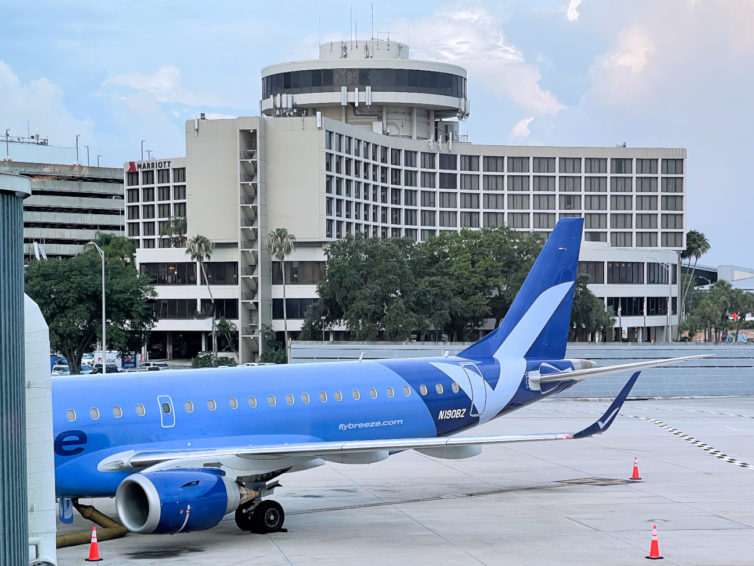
{"x":133,"y":212}
{"x":657,"y":306}
{"x":570,"y":184}
{"x":672,"y":184}
{"x":620,"y":221}
{"x":518,"y":164}
{"x":448,"y":219}
{"x":132,"y":179}
{"x":179,"y":192}
{"x":646,"y":221}
{"x":657,"y":274}
{"x":595,"y":236}
{"x":621,"y":239}
{"x":595,"y":184}
{"x":595,"y":202}
{"x":409,"y":217}
{"x":626,"y":306}
{"x":179,"y":210}
{"x":570,"y":202}
{"x":625,"y":272}
{"x":620,"y":165}
{"x":518,"y":219}
{"x":646,"y":203}
{"x":672,"y":203}
{"x":543,"y":220}
{"x":147,"y":194}
{"x":163,"y":211}
{"x":492,"y":164}
{"x":163,"y":175}
{"x":448,"y":161}
{"x":493,"y":183}
{"x":147,"y":177}
{"x":621,"y":202}
{"x":428,"y":180}
{"x":544,"y":183}
{"x":646,"y":239}
{"x":133,"y":195}
{"x":543,"y":164}
{"x":428,"y":218}
{"x":428,"y":160}
{"x":409,"y":178}
{"x":409,"y":158}
{"x":595,"y":221}
{"x":518,"y":183}
{"x":469,"y":182}
{"x":595,"y":165}
{"x":174,"y":309}
{"x":409,"y":198}
{"x":179,"y":273}
{"x":133,"y":229}
{"x":570,"y":164}
{"x":469,"y":163}
{"x":646,"y":184}
{"x":428,"y":198}
{"x":672,"y":221}
{"x":620,"y":185}
{"x":494,"y":219}
{"x":494,"y":202}
{"x":448,"y":200}
{"x":543,"y":202}
{"x":672,"y":239}
{"x":395,"y":177}
{"x":395,"y":156}
{"x":672,"y":166}
{"x":518,"y":202}
{"x":295,"y":308}
{"x":470,"y":200}
{"x":179,"y":175}
{"x":448,"y":181}
{"x":594,"y":269}
{"x":147,"y":243}
{"x":469,"y":219}
{"x":646,"y":166}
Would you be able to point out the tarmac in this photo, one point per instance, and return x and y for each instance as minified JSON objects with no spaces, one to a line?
{"x":563,"y":502}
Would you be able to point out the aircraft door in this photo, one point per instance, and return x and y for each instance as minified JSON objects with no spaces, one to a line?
{"x":167,"y":411}
{"x":478,"y":390}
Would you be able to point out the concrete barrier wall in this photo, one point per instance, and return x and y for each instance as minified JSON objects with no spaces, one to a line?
{"x":728,"y":371}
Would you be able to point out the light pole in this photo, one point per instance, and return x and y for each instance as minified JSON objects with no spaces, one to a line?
{"x":142,"y":149}
{"x":87,"y":155}
{"x":323,"y":318}
{"x":98,"y":156}
{"x":149,"y":153}
{"x":104,"y":340}
{"x":77,"y":147}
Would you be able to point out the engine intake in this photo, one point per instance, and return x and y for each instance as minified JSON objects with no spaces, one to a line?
{"x":174,"y":501}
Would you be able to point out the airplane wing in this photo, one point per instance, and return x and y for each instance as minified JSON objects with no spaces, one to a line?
{"x":581,"y":374}
{"x":160,"y":460}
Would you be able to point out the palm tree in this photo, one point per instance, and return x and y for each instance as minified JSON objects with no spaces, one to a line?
{"x":200,"y":248}
{"x":696,"y":246}
{"x":175,"y":231}
{"x":280,"y":244}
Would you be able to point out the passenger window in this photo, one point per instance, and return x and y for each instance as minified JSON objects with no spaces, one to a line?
{"x":338,"y":396}
{"x":70,"y":415}
{"x":373,"y":393}
{"x":289,"y":399}
{"x":423,"y":389}
{"x":390,"y":392}
{"x":211,"y":405}
{"x":252,"y":401}
{"x":356,"y":394}
{"x":233,"y":402}
{"x":407,"y":391}
{"x":140,"y":410}
{"x":455,"y":387}
{"x":117,"y":412}
{"x":166,"y":408}
{"x":439,"y":388}
{"x":323,"y":396}
{"x":271,"y":401}
{"x":189,"y":406}
{"x":305,"y":398}
{"x":94,"y":413}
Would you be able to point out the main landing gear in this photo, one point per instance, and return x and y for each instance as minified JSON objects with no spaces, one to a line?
{"x":258,"y":515}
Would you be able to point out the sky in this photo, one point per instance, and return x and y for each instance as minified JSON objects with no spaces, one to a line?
{"x":650,"y":73}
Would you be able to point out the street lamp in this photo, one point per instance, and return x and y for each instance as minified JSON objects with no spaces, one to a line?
{"x":98,"y":156}
{"x":323,"y":318}
{"x":142,"y":149}
{"x":104,"y":340}
{"x":87,"y":155}
{"x":77,"y":147}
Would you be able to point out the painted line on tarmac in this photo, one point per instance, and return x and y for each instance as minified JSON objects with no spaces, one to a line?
{"x":698,"y":443}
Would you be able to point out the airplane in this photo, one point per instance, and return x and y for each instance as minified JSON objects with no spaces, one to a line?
{"x":181,"y":449}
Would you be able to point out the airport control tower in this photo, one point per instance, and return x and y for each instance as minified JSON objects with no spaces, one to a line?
{"x":371,"y":84}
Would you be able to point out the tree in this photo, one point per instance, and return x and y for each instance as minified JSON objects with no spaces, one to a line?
{"x":588,"y":314}
{"x":200,"y":248}
{"x":272,"y":350}
{"x":696,"y":246}
{"x":117,"y":247}
{"x":228,"y":332}
{"x":69,"y":294}
{"x":280,"y":244}
{"x":175,"y":230}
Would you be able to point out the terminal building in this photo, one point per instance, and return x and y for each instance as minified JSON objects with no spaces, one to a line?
{"x":366,"y":140}
{"x":69,"y":203}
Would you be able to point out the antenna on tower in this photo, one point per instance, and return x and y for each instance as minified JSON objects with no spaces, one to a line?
{"x":373,"y":21}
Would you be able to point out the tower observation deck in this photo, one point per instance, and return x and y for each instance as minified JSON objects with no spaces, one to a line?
{"x":372,"y":84}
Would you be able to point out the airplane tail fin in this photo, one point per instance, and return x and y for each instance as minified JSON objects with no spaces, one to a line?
{"x":536,"y":326}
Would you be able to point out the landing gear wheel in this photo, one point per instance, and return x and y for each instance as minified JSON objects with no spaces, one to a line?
{"x":245,"y":517}
{"x":267,"y":517}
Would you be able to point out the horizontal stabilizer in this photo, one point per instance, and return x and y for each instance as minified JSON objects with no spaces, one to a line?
{"x":580,"y":374}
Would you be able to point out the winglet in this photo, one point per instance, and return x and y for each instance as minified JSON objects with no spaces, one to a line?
{"x":612,"y":411}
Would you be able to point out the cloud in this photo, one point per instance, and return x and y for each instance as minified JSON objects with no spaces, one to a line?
{"x":572,"y":14}
{"x":622,"y":74}
{"x":521,"y":129}
{"x":164,"y":85}
{"x":472,"y":37}
{"x":39,"y":103}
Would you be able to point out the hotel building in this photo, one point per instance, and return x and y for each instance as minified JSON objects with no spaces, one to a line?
{"x":366,"y":140}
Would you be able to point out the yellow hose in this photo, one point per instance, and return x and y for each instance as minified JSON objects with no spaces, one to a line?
{"x":109,"y":528}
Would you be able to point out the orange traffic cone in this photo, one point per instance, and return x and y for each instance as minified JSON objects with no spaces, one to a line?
{"x":635,"y":474}
{"x":93,"y":548}
{"x":654,"y":549}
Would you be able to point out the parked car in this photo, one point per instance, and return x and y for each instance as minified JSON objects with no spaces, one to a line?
{"x":86,"y":369}
{"x":111,"y":368}
{"x":153,"y":366}
{"x":60,"y":369}
{"x":253,"y":364}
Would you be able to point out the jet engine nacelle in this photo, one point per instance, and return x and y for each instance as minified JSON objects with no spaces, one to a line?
{"x":174,"y":501}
